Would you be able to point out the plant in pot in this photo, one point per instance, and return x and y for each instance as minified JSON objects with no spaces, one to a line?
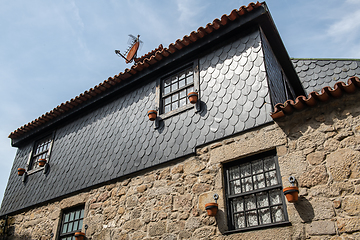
{"x":42,"y":162}
{"x":193,"y":97}
{"x":79,"y":236}
{"x":212,"y":208}
{"x":152,"y":115}
{"x":291,"y":193}
{"x":21,"y":171}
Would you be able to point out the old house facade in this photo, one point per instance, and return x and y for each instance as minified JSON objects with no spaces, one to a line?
{"x":259,"y":119}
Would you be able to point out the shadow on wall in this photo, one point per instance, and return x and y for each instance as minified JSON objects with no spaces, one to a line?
{"x":305,"y":209}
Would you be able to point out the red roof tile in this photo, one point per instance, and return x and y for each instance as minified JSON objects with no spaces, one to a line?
{"x":302,"y":102}
{"x":141,"y":63}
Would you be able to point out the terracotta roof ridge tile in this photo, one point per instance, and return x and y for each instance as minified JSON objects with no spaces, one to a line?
{"x":141,"y":63}
{"x":302,"y":102}
{"x":149,"y":54}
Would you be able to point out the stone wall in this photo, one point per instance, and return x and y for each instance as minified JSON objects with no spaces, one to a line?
{"x":319,"y":146}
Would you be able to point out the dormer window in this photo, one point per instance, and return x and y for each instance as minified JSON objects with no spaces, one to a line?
{"x":174,"y":88}
{"x":41,"y":150}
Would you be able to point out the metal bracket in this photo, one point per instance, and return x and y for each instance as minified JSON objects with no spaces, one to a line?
{"x":86,"y":227}
{"x":216,"y":197}
{"x":157,"y":123}
{"x":292,"y":180}
{"x":197,"y":106}
{"x":46,"y":168}
{"x":24,"y":177}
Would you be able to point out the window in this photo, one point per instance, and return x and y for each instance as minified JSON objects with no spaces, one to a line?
{"x":41,"y":150}
{"x":254,"y":193}
{"x":173,"y":89}
{"x":72,"y":221}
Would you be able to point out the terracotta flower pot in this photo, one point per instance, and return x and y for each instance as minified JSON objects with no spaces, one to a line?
{"x":193,"y":97}
{"x":42,"y":162}
{"x":21,"y":171}
{"x":79,"y":236}
{"x":291,"y":194}
{"x":152,"y":115}
{"x":211,"y":208}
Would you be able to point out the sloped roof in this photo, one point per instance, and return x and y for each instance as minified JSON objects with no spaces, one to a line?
{"x":316,"y":74}
{"x":144,"y":62}
{"x":327,"y":93}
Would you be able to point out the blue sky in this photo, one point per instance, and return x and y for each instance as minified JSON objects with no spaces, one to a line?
{"x":51,"y":51}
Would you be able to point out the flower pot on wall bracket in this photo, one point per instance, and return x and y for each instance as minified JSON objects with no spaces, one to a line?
{"x":42,"y":162}
{"x":152,"y":114}
{"x":211,"y":208}
{"x":291,"y":193}
{"x":21,"y":171}
{"x":79,"y":236}
{"x":193,"y":97}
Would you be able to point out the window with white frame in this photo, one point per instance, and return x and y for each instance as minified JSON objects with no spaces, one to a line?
{"x":41,"y":150}
{"x":254,"y":192}
{"x":174,"y":88}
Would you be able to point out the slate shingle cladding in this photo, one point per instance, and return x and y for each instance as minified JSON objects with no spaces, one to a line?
{"x":315,"y":74}
{"x":117,"y":139}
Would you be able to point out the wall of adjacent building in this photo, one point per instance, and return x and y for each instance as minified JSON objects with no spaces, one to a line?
{"x":319,"y":146}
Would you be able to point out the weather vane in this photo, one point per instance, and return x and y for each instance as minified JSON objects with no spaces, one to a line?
{"x":131,"y":52}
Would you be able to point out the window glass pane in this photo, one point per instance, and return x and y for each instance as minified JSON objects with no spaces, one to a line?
{"x":167,"y":82}
{"x":182,"y":83}
{"x":269,"y":164}
{"x":189,"y":72}
{"x":167,"y":100}
{"x":72,"y":214}
{"x":174,"y":105}
{"x":174,"y":87}
{"x":234,"y":173}
{"x":246,"y":184}
{"x":182,"y":75}
{"x":239,"y":220}
{"x":271,"y":178}
{"x":166,"y":90}
{"x":75,"y":226}
{"x":262,"y":199}
{"x":66,"y":219}
{"x":275,"y":197}
{"x":182,"y":102}
{"x":245,"y":170}
{"x":189,"y":80}
{"x":77,"y":214}
{"x":82,"y":213}
{"x":189,"y":90}
{"x":259,"y":181}
{"x":183,"y":93}
{"x":235,"y":187}
{"x":174,"y":97}
{"x":167,"y":108}
{"x":80,"y":224}
{"x":277,"y":214}
{"x":251,"y":218}
{"x":70,"y":227}
{"x":65,"y":228}
{"x":238,"y":204}
{"x":174,"y":79}
{"x":250,"y":202}
{"x":264,"y":216}
{"x":257,"y":167}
